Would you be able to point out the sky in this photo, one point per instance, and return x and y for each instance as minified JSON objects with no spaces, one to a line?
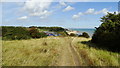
{"x":62,"y":14}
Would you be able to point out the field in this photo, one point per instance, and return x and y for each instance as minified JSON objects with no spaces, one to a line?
{"x":0,"y":51}
{"x":56,"y":51}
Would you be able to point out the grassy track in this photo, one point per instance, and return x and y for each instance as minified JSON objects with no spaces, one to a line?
{"x":56,"y":51}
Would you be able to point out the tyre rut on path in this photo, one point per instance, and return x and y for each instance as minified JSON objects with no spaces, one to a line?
{"x":68,"y":55}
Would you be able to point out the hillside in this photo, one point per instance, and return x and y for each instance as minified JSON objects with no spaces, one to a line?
{"x":56,"y":51}
{"x":20,"y":33}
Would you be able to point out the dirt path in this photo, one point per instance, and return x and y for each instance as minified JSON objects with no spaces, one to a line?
{"x":68,"y":56}
{"x":85,"y":60}
{"x":75,"y":56}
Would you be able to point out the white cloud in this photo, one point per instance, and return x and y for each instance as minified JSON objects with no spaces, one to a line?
{"x":63,"y":3}
{"x":103,"y":11}
{"x":90,"y":11}
{"x":68,"y":8}
{"x":42,"y":15}
{"x":77,"y":15}
{"x":40,"y":9}
{"x":23,"y":18}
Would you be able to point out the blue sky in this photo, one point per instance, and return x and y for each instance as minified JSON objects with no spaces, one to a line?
{"x":63,"y":14}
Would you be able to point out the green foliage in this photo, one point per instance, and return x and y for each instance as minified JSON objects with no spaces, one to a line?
{"x":72,"y":34}
{"x":14,"y":33}
{"x":108,"y":33}
{"x":18,"y":33}
{"x":56,"y":29}
{"x":42,"y":34}
{"x":84,"y":34}
{"x":34,"y":33}
{"x":62,"y":33}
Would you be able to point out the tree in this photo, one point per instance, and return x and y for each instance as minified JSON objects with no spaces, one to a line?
{"x":108,"y":33}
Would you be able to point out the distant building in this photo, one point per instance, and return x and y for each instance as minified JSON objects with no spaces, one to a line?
{"x":119,"y":6}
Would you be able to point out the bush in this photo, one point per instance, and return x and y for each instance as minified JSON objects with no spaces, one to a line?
{"x":72,"y":34}
{"x":14,"y":33}
{"x":58,"y":30}
{"x":108,"y":33}
{"x":18,"y":33}
{"x":84,"y":34}
{"x":55,"y":29}
{"x":62,"y":33}
{"x":41,"y":35}
{"x":34,"y":33}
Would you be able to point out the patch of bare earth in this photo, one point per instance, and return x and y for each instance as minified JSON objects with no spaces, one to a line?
{"x":68,"y":55}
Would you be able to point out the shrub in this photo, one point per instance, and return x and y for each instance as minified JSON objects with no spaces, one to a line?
{"x":34,"y":33}
{"x":56,"y":29}
{"x":72,"y":34}
{"x":62,"y":33}
{"x":18,"y":33}
{"x":41,"y":35}
{"x":108,"y":33}
{"x":84,"y":34}
{"x":14,"y":33}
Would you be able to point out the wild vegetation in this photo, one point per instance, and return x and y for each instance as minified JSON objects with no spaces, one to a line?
{"x":32,"y":52}
{"x":34,"y":33}
{"x":58,"y":30}
{"x":108,"y":33}
{"x":84,"y":34}
{"x":18,"y":33}
{"x":13,"y":33}
{"x":56,"y":51}
{"x":68,"y":50}
{"x":94,"y":56}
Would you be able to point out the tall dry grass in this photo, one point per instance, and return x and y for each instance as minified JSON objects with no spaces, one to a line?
{"x":34,"y":52}
{"x":45,"y":52}
{"x":0,"y":52}
{"x":93,"y":56}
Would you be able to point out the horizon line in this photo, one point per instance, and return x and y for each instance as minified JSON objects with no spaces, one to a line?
{"x":53,"y":26}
